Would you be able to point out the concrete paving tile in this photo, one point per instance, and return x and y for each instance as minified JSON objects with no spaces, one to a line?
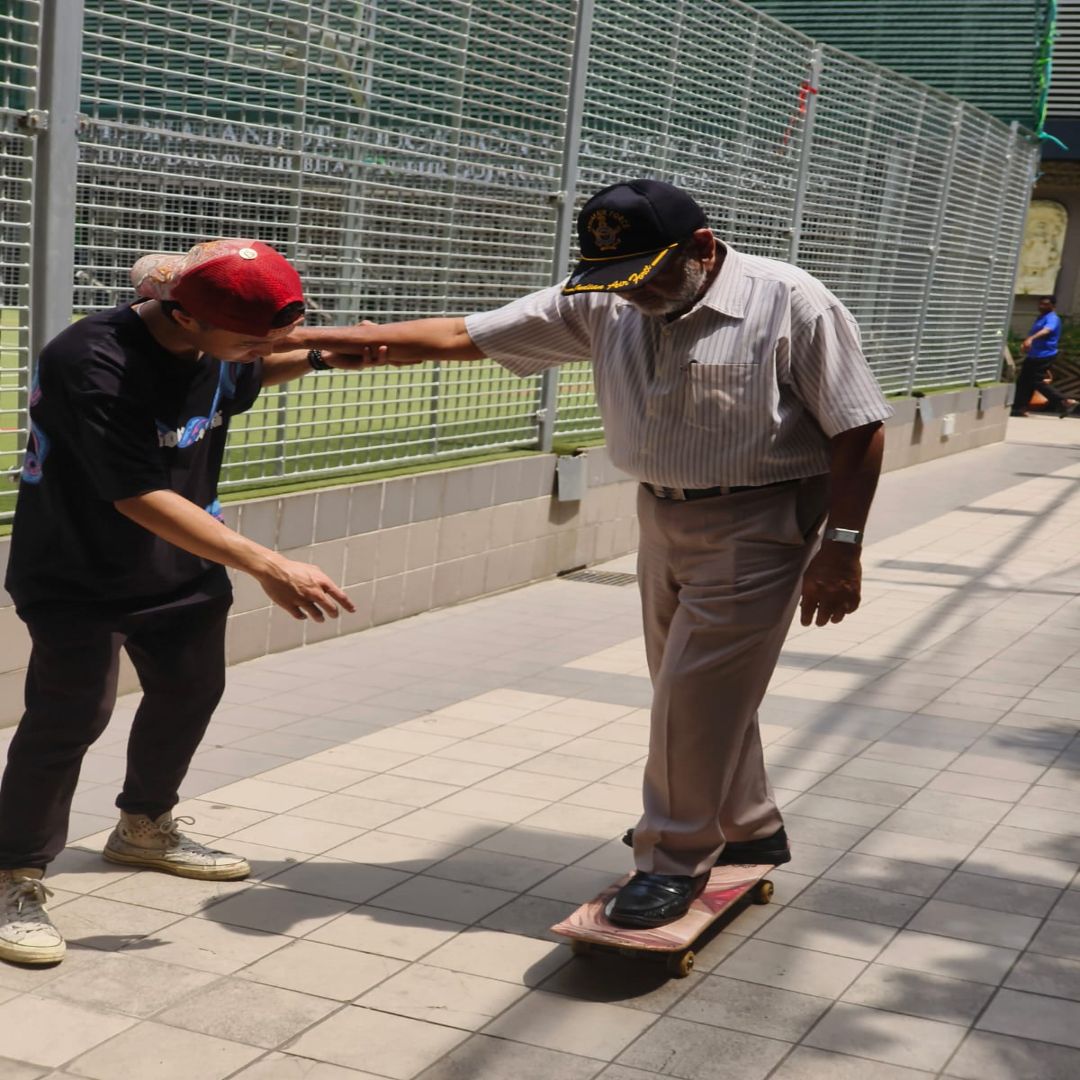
{"x":108,"y":924}
{"x":826,"y":933}
{"x":985,"y":1056}
{"x":287,"y":1067}
{"x":154,"y":1051}
{"x":834,"y":834}
{"x":806,"y":1063}
{"x":801,"y":757}
{"x":563,"y":765}
{"x":540,"y":844}
{"x":1033,"y":1016}
{"x":443,"y":996}
{"x":935,"y":826}
{"x":166,"y":893}
{"x":339,"y":879}
{"x":578,"y":820}
{"x":349,"y":810}
{"x":490,"y":805}
{"x":298,"y":834}
{"x":585,"y":1028}
{"x":410,"y":854}
{"x":275,"y":910}
{"x":486,"y":753}
{"x":757,"y":1009}
{"x":486,"y":1058}
{"x":316,"y":776}
{"x":81,"y":870}
{"x":532,"y":916}
{"x":18,"y":1070}
{"x":492,"y":869}
{"x":248,"y":1012}
{"x":1049,"y":975}
{"x":978,"y":786}
{"x":443,"y":771}
{"x":208,"y":946}
{"x":429,"y":824}
{"x":918,"y":993}
{"x":495,"y":955}
{"x":813,"y":859}
{"x":406,"y":791}
{"x":975,"y":924}
{"x":327,"y":971}
{"x":854,"y":901}
{"x":125,"y":983}
{"x":438,"y":898}
{"x":964,"y":807}
{"x":45,"y":1032}
{"x":908,"y":1041}
{"x":393,"y":1046}
{"x":694,"y":1051}
{"x":996,"y":768}
{"x":998,"y":894}
{"x":1058,"y":939}
{"x":386,"y":933}
{"x":574,"y":884}
{"x":992,"y":862}
{"x":843,"y":810}
{"x":789,"y":968}
{"x":867,"y":768}
{"x":950,"y":957}
{"x":905,"y":847}
{"x":217,"y":819}
{"x":260,"y":794}
{"x":1067,"y":909}
{"x":536,"y":785}
{"x":876,"y":792}
{"x":905,"y":754}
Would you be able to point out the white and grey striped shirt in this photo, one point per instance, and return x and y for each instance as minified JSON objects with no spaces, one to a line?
{"x":746,"y":388}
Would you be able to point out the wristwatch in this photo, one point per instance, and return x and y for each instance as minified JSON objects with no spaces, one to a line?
{"x":315,"y":360}
{"x":844,"y":536}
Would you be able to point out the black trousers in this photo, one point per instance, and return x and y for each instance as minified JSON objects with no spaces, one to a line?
{"x":179,"y":655}
{"x":1032,"y":377}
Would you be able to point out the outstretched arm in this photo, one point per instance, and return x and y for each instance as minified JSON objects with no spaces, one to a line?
{"x":393,"y":343}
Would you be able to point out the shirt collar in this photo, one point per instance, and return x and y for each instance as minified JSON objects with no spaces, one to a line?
{"x":730,"y":289}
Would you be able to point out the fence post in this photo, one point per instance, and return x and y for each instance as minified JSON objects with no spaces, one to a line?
{"x":992,"y":260}
{"x":56,"y":159}
{"x":805,"y":147}
{"x":564,"y":202}
{"x":935,"y":242}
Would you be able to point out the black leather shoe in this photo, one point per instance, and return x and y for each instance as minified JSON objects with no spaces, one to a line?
{"x":773,"y":850}
{"x":648,"y":900}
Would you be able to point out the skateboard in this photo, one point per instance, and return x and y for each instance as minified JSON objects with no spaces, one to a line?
{"x":589,"y":930}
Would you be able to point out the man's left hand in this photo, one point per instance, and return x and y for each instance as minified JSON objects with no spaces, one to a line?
{"x":832,"y":584}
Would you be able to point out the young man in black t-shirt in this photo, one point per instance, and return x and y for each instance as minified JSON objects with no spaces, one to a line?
{"x":116,"y":544}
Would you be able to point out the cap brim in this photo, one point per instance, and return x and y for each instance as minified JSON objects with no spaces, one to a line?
{"x":617,"y":275}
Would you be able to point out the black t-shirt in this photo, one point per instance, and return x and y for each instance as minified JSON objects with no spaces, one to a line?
{"x":114,"y":415}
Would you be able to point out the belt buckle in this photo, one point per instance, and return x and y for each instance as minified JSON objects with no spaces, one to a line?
{"x":678,"y":494}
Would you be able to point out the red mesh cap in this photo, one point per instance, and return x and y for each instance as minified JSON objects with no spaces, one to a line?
{"x":233,"y":284}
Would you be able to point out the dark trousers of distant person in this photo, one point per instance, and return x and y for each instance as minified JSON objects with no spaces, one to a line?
{"x":1033,"y":376}
{"x":71,"y":682}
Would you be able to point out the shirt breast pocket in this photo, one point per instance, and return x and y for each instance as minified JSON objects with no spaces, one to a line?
{"x":715,"y":388}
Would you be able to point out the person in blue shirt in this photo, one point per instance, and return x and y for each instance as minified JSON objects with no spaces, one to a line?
{"x":1040,"y":350}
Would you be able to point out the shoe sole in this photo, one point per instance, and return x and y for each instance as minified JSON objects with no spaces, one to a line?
{"x":199,"y":873}
{"x":32,"y":955}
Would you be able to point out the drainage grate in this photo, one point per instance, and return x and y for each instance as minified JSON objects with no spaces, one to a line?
{"x":601,"y":577}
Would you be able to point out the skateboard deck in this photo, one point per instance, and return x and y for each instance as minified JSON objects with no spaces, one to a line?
{"x":589,"y":928}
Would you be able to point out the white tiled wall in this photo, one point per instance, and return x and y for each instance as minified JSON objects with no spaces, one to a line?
{"x":413,"y":543}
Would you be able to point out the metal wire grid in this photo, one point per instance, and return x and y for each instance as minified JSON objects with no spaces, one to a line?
{"x":403,"y":154}
{"x":18,"y":67}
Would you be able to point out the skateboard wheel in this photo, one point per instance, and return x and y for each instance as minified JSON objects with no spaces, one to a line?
{"x":764,"y":892}
{"x":681,"y":964}
{"x":580,"y":948}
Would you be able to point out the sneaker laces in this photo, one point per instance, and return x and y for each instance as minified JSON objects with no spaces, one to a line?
{"x":28,"y":897}
{"x":171,"y":830}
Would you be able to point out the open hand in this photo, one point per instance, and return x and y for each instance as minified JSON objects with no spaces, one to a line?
{"x":832,"y":584}
{"x":303,"y":590}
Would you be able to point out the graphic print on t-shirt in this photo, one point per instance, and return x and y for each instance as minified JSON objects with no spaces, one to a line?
{"x":37,"y":443}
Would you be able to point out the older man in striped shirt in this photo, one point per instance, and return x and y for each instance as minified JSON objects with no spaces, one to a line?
{"x":734,"y":388}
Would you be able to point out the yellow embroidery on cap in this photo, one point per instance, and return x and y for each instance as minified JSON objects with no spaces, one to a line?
{"x":606,"y":227}
{"x":635,"y":278}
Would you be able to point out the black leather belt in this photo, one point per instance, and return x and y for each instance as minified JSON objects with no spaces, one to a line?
{"x":686,"y":494}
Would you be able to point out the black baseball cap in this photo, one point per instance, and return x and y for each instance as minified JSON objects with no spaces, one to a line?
{"x":627,"y":230}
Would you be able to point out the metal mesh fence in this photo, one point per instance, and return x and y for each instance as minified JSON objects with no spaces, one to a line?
{"x":408,"y":156}
{"x":18,"y":65}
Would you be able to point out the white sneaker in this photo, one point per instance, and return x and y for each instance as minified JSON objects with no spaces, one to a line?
{"x":27,"y":935}
{"x":139,"y":840}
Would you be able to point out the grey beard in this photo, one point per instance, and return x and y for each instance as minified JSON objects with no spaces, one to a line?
{"x":692,"y":279}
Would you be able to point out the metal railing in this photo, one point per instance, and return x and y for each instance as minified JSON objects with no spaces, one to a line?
{"x":425,"y":157}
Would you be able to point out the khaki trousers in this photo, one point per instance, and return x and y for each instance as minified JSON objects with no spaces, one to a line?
{"x":719,"y":580}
